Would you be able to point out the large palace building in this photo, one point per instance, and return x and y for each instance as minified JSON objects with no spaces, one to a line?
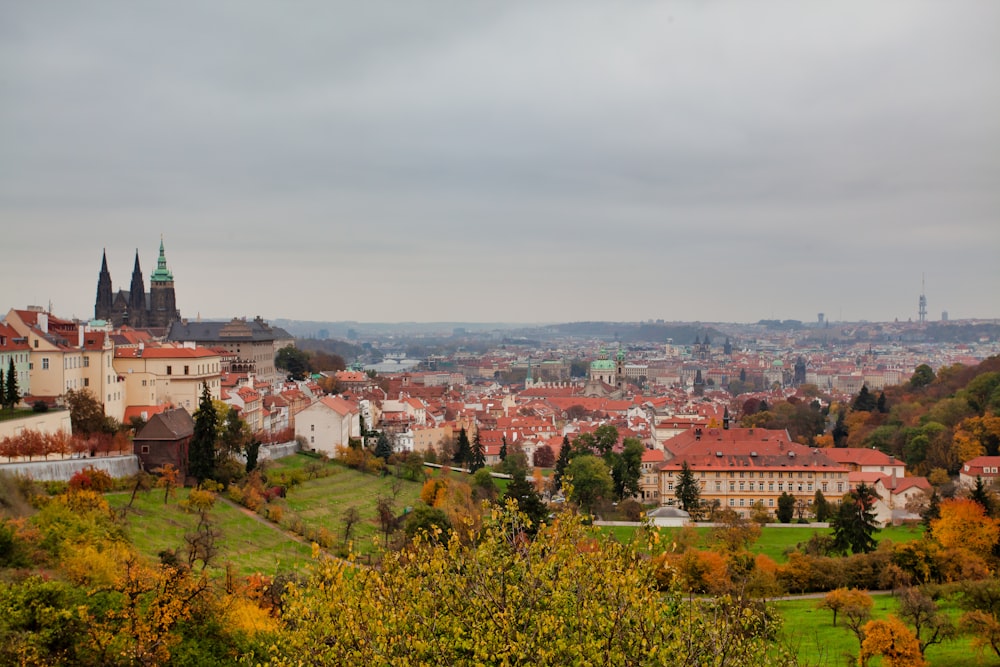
{"x":136,"y":307}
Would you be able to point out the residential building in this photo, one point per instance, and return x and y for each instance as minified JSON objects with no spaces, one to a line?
{"x":328,"y":423}
{"x":168,"y":374}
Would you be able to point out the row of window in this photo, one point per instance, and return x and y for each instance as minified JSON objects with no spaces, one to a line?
{"x":801,"y":488}
{"x":770,"y":474}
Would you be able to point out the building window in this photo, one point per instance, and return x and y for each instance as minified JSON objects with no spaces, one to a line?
{"x":742,"y":502}
{"x":718,"y":486}
{"x":732,"y":502}
{"x":770,"y":502}
{"x":312,"y":427}
{"x":186,"y":370}
{"x":86,"y":382}
{"x":732,"y":486}
{"x":144,"y":449}
{"x":45,"y":363}
{"x":312,"y":439}
{"x":86,"y":362}
{"x":170,"y":370}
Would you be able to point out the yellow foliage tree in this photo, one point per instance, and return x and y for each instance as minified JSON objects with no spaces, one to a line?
{"x":566,"y":597}
{"x":963,"y":524}
{"x":892,"y":640}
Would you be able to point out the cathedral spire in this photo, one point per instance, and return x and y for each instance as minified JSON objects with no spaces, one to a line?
{"x":102,"y":306}
{"x":137,"y":296}
{"x":161,"y":274}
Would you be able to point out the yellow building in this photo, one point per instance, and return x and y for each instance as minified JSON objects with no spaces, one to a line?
{"x":738,"y":467}
{"x":168,"y":374}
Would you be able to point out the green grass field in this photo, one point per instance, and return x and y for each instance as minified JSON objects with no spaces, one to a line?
{"x":774,"y":542}
{"x":246,"y":543}
{"x":810,"y":634}
{"x":321,"y":502}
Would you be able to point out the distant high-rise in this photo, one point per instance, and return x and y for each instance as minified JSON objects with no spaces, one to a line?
{"x":820,"y":317}
{"x":922,"y":304}
{"x":944,"y":315}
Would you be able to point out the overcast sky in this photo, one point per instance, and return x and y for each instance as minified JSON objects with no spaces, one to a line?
{"x":505,"y":161}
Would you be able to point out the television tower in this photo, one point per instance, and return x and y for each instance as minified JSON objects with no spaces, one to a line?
{"x":922,"y":307}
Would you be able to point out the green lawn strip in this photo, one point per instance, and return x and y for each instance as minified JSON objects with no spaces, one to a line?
{"x":321,"y":503}
{"x":775,"y":542}
{"x":249,"y":545}
{"x":809,"y":632}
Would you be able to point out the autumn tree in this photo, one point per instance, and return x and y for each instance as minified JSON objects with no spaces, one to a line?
{"x":981,"y":602}
{"x":349,"y":518}
{"x":893,"y":641}
{"x":566,"y":597}
{"x":169,"y":479}
{"x":930,"y":625}
{"x":843,"y":599}
{"x":86,"y":413}
{"x":854,"y":523}
{"x":201,"y":451}
{"x":544,"y":457}
{"x":964,"y":524}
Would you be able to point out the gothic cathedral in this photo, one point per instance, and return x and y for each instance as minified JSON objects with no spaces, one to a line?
{"x":136,"y":307}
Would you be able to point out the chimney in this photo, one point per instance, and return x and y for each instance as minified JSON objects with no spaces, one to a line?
{"x":43,"y":322}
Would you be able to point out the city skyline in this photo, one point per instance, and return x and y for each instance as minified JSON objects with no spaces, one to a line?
{"x":516,"y":163}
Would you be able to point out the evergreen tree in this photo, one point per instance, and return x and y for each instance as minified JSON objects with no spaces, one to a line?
{"x":463,"y":449}
{"x":478,"y":454}
{"x":839,"y":431}
{"x":786,"y":507}
{"x":383,"y":446}
{"x":821,"y":508}
{"x":528,"y":500}
{"x":11,"y":392}
{"x":3,"y":394}
{"x":933,"y":511}
{"x":201,"y":451}
{"x":980,"y":494}
{"x":503,"y":448}
{"x":687,"y":490}
{"x":881,"y":405}
{"x":253,"y":449}
{"x":854,"y":523}
{"x":865,"y":401}
{"x":562,"y":462}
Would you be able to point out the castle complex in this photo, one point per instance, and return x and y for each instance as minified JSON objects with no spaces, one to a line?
{"x":136,"y":307}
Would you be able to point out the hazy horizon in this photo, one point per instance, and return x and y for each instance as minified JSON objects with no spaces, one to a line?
{"x":516,"y":162}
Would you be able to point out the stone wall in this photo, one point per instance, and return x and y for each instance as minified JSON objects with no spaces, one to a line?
{"x":63,"y":469}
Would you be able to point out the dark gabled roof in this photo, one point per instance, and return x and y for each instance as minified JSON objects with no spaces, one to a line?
{"x":224,"y":332}
{"x":168,"y":425}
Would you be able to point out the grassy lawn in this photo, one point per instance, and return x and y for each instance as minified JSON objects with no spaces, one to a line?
{"x":774,"y":542}
{"x":810,"y":633}
{"x":321,"y":502}
{"x":250,"y":546}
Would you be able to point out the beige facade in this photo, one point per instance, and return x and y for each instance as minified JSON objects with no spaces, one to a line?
{"x":168,"y":375}
{"x":328,"y":423}
{"x":65,"y":356}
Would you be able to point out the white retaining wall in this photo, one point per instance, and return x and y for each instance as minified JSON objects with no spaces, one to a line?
{"x":63,"y":469}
